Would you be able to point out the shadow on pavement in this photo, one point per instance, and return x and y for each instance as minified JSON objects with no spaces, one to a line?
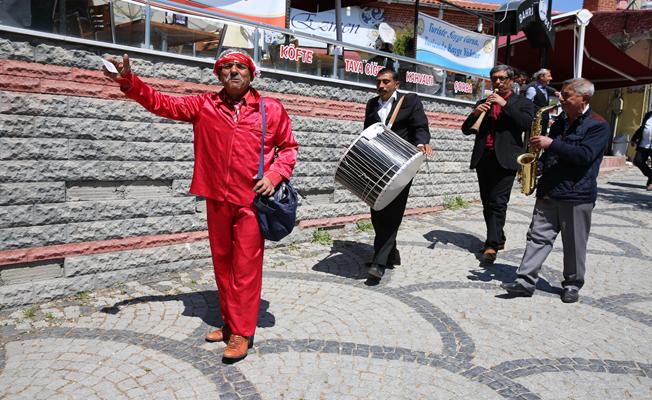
{"x":505,"y":274}
{"x":459,"y":239}
{"x":642,"y":199}
{"x":344,"y":259}
{"x":204,"y":304}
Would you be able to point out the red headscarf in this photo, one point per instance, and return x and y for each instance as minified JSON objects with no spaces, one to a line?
{"x":235,"y":57}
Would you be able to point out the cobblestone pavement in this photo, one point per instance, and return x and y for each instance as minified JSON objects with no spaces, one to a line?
{"x":437,"y":327}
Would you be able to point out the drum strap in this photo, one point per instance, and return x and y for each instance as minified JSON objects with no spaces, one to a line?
{"x":395,"y":113}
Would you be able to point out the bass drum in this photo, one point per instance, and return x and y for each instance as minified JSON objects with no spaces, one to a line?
{"x":378,"y":165}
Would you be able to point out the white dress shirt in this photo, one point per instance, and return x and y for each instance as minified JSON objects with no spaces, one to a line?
{"x":386,"y":106}
{"x":532,"y":91}
{"x":646,"y":136}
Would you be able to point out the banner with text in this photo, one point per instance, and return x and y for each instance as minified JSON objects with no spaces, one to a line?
{"x":450,"y":46}
{"x":265,"y":11}
{"x":359,"y":25}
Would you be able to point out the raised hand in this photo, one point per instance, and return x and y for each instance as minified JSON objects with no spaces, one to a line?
{"x":123,"y":68}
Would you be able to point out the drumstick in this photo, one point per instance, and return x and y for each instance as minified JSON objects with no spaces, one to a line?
{"x":475,"y":128}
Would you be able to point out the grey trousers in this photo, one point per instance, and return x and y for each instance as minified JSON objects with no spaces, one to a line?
{"x":549,"y":218}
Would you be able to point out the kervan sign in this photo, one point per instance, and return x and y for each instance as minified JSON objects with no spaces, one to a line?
{"x":449,"y":46}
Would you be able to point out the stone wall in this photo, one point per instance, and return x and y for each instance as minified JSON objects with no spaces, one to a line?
{"x":94,"y":189}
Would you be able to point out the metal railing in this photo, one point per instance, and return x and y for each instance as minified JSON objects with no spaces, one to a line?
{"x":200,"y":35}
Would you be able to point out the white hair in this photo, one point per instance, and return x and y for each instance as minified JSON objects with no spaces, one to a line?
{"x":540,"y":72}
{"x":581,"y":86}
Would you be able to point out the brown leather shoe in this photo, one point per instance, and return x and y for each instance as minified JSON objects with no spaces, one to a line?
{"x":237,"y":347}
{"x":219,"y":335}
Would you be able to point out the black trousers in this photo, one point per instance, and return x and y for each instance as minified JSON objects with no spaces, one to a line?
{"x":495,"y":187}
{"x":640,"y":160}
{"x":386,"y":223}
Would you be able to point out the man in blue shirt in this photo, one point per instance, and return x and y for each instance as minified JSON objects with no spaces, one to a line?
{"x":539,"y":93}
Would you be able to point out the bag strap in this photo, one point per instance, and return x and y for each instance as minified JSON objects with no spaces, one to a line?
{"x":262,"y":144}
{"x":395,"y":113}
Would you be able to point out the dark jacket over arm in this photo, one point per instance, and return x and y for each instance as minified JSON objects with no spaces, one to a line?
{"x":515,"y":118}
{"x":411,"y":122}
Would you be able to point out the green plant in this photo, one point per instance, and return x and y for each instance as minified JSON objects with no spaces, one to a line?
{"x":364,"y":225}
{"x":293,"y":247}
{"x":81,"y":296}
{"x":30,"y":312}
{"x":49,"y":316}
{"x":455,"y":203}
{"x":402,"y":42}
{"x":321,"y":236}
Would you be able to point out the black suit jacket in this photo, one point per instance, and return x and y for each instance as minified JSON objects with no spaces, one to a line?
{"x":515,"y":118}
{"x":636,"y":139}
{"x":411,"y":122}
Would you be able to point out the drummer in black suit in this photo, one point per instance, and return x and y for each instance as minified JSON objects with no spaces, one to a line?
{"x":412,"y":125}
{"x":498,"y":143}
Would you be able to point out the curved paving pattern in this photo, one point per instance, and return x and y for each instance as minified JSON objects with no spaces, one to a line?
{"x":438,"y":326}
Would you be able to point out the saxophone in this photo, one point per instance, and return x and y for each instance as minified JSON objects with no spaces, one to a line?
{"x":528,"y":161}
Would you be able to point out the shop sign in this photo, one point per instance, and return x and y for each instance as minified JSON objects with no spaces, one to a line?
{"x":462,"y":87}
{"x":360,"y":67}
{"x":296,"y":54}
{"x":359,"y":25}
{"x":419,"y":78}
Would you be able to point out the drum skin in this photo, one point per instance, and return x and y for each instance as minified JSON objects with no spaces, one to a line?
{"x":378,"y":165}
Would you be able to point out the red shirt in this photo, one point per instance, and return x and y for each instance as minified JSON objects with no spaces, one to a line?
{"x":226,"y":151}
{"x":495,"y":112}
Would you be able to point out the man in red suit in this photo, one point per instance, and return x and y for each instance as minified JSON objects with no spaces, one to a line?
{"x":227,"y":137}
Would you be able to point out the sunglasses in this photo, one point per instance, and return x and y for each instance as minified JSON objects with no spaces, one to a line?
{"x":499,"y":78}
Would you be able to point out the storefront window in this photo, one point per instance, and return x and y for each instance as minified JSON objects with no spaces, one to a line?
{"x":132,"y":24}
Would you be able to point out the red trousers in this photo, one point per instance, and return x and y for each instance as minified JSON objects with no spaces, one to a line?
{"x":237,"y":248}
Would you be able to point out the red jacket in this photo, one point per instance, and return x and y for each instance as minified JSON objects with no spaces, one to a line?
{"x":226,"y":152}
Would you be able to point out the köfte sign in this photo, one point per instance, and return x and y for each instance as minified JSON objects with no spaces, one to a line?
{"x":449,"y":46}
{"x":296,"y":54}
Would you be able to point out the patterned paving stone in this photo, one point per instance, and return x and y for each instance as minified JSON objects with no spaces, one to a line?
{"x":437,"y":327}
{"x":161,"y":316}
{"x":581,"y":385}
{"x":327,"y":376}
{"x":76,"y":368}
{"x":314,"y":310}
{"x":505,"y":329}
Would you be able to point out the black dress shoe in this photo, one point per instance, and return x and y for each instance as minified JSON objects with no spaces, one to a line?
{"x":489,"y":255}
{"x":570,"y":295}
{"x":394,"y":258}
{"x":516,"y":289}
{"x":500,"y":246}
{"x":376,"y":271}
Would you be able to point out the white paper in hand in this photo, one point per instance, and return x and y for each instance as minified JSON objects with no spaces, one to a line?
{"x":109,"y":66}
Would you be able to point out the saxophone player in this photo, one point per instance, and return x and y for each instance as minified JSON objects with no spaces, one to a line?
{"x":566,"y":191}
{"x":498,"y":123}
